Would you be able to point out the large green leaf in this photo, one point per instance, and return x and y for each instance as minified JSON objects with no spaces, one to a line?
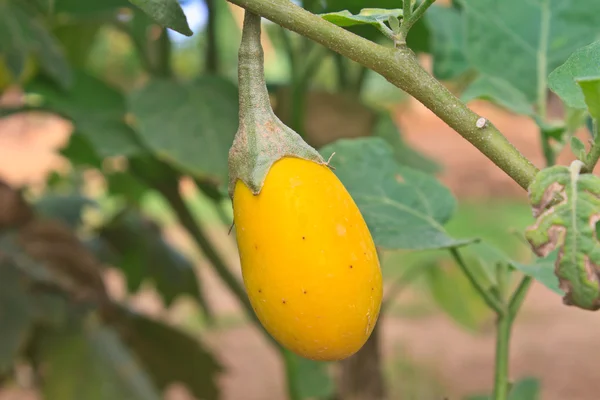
{"x":77,"y":40}
{"x":387,"y":129}
{"x":144,"y":254}
{"x":189,"y":125}
{"x":23,"y":33}
{"x":80,"y":151}
{"x":171,"y":356}
{"x":88,"y":7}
{"x":582,"y":63}
{"x":97,"y":110}
{"x":92,"y":363}
{"x":167,"y":13}
{"x":590,"y":87}
{"x":521,"y":42}
{"x":447,"y":42}
{"x":16,"y":313}
{"x":500,"y":92}
{"x":453,"y":292}
{"x":566,"y":205}
{"x":404,"y":208}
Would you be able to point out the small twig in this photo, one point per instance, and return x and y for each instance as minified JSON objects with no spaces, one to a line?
{"x":518,"y":297}
{"x":212,"y":49}
{"x":489,"y":299}
{"x":410,"y":18}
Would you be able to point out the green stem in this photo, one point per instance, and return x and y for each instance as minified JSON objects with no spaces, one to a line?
{"x":503,"y":332}
{"x":542,"y":67}
{"x":401,"y":68}
{"x":342,"y":72}
{"x":360,"y":79}
{"x":547,"y":150}
{"x":501,"y":384}
{"x":485,"y":294}
{"x":289,"y":50}
{"x":594,"y":154}
{"x":408,"y":20}
{"x":314,"y":60}
{"x":291,"y":374}
{"x":407,"y":6}
{"x":518,"y":297}
{"x":542,"y":87}
{"x":212,"y":49}
{"x":162,"y":55}
{"x":251,"y":71}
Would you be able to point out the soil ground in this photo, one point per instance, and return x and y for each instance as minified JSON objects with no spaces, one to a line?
{"x":552,"y":342}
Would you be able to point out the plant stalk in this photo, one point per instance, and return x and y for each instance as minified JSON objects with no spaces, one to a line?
{"x":401,"y":68}
{"x":485,"y":294}
{"x":518,"y":297}
{"x":411,"y":18}
{"x":251,"y":71}
{"x":212,"y":49}
{"x":503,"y":330}
{"x":291,"y":373}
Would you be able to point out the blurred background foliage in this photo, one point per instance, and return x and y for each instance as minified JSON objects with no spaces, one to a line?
{"x":153,"y":113}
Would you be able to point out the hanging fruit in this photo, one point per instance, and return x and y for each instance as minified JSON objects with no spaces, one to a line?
{"x":309,"y":263}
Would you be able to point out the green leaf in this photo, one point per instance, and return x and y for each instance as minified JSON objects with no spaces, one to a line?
{"x":447,"y":42}
{"x":23,"y":34}
{"x":568,"y":224}
{"x":66,"y":208}
{"x":16,"y":314}
{"x":127,"y":185}
{"x":542,"y":270}
{"x":552,"y":129}
{"x":312,"y":377}
{"x":525,"y":389}
{"x":144,"y":254}
{"x":88,"y":7}
{"x":394,"y":23}
{"x":404,"y":154}
{"x":167,"y":13}
{"x":171,"y":356}
{"x":591,"y":91}
{"x":522,"y":47}
{"x":404,"y":208}
{"x":97,"y":110}
{"x":578,"y":148}
{"x":455,"y":295}
{"x":190,"y":126}
{"x":77,"y":40}
{"x":92,"y":363}
{"x":367,"y":16}
{"x":80,"y":151}
{"x":563,"y":80}
{"x":500,"y":92}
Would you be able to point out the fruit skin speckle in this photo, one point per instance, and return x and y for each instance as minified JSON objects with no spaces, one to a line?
{"x":330,"y":309}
